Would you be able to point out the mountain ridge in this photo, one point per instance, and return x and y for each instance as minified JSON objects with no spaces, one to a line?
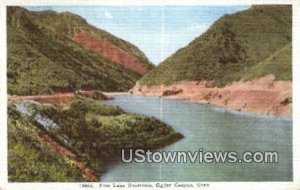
{"x":232,"y":43}
{"x":43,"y":56}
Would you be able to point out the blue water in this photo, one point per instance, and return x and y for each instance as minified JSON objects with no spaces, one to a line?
{"x":212,"y":129}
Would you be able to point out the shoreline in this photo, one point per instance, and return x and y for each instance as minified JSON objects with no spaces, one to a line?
{"x":264,"y":96}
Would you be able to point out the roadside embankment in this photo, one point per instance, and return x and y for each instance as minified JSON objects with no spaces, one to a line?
{"x":61,"y":98}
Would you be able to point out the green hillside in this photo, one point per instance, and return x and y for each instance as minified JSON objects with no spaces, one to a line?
{"x":43,"y":58}
{"x":30,"y":159}
{"x":92,"y":131}
{"x":232,"y":44}
{"x":279,"y":64}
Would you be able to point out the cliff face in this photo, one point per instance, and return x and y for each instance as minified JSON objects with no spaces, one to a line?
{"x":49,"y":52}
{"x":110,"y":52}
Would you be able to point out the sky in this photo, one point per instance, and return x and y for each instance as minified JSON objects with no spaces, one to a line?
{"x":159,"y":31}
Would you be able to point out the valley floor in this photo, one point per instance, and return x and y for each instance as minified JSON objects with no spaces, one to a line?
{"x":264,"y":95}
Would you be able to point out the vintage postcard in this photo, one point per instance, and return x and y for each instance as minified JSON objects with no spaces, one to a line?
{"x":140,"y":94}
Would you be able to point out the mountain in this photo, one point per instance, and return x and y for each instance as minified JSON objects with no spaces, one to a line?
{"x":247,"y":41}
{"x":278,"y":64}
{"x":50,"y":52}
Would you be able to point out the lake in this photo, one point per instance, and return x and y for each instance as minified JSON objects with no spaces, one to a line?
{"x":212,"y":129}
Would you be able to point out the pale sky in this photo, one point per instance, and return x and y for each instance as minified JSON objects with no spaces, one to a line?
{"x":157,"y":30}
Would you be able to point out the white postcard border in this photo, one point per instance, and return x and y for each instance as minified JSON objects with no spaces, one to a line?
{"x":295,"y":185}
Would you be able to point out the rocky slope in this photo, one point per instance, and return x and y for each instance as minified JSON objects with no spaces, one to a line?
{"x":60,"y":52}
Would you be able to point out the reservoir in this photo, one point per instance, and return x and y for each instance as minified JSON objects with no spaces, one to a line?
{"x":212,"y":129}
